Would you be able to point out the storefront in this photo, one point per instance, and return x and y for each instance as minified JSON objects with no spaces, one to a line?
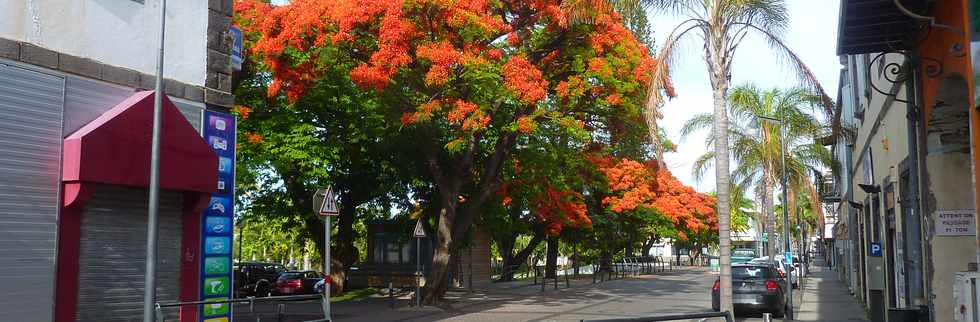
{"x":73,"y":199}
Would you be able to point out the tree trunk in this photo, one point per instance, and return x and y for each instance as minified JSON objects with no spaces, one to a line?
{"x":455,"y":217}
{"x":647,"y":245}
{"x":629,"y":246}
{"x":438,"y":281}
{"x":717,"y":54}
{"x":512,"y":261}
{"x":345,"y":251}
{"x":551,"y":264}
{"x":770,"y":211}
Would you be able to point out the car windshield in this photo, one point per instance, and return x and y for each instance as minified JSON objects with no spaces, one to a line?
{"x":743,"y":253}
{"x":751,"y":273}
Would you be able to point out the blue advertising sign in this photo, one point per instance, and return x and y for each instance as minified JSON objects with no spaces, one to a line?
{"x":217,"y":223}
{"x":788,"y":257}
{"x":236,"y":47}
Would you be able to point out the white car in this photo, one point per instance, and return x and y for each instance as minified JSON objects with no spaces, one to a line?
{"x":782,"y":267}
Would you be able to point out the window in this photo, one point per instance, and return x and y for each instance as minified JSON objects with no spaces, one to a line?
{"x":751,"y":273}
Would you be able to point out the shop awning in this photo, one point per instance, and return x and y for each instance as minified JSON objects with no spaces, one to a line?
{"x":873,"y":26}
{"x":115,"y":149}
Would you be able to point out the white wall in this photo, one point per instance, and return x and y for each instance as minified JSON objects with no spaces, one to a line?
{"x":122,"y":33}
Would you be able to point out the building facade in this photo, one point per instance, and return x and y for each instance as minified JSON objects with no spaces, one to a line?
{"x":904,"y":180}
{"x":75,"y":120}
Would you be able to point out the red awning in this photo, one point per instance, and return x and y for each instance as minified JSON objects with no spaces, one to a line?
{"x":115,"y":149}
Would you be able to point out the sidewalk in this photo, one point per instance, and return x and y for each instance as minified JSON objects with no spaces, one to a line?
{"x":825,"y":298}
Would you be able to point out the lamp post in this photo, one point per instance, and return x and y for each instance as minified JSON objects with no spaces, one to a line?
{"x":786,"y":232}
{"x":149,"y":277}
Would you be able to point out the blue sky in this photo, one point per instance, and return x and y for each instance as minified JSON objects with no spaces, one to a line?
{"x":812,"y":35}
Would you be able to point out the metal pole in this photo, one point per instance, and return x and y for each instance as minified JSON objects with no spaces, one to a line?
{"x":786,"y":234}
{"x":326,"y":268}
{"x":241,"y":238}
{"x":418,"y":272}
{"x":149,"y":276}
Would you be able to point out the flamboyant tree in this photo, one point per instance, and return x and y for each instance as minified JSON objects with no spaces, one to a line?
{"x":471,"y":77}
{"x":637,"y":185}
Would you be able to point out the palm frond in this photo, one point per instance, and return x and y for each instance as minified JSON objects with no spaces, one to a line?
{"x":697,"y":123}
{"x":801,"y":70}
{"x":702,"y":164}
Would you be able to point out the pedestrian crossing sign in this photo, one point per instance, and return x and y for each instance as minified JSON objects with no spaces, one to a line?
{"x":328,"y":207}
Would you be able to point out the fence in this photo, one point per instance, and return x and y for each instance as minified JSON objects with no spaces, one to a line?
{"x":629,"y":266}
{"x":280,"y":303}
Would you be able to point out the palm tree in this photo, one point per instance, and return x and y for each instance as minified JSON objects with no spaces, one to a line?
{"x":757,"y":147}
{"x":721,"y":25}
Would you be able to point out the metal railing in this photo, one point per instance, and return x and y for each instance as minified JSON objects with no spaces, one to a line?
{"x":280,"y":313}
{"x":707,"y":315}
{"x":629,"y":266}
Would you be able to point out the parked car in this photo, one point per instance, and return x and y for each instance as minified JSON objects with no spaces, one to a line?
{"x":297,"y":282}
{"x":256,"y":278}
{"x":742,"y":255}
{"x":755,"y":287}
{"x":782,"y":267}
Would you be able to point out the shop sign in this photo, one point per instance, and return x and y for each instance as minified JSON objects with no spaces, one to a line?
{"x":237,"y":56}
{"x":956,"y":223}
{"x":217,"y":223}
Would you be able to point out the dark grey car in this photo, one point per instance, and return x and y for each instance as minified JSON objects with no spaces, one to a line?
{"x":755,"y":287}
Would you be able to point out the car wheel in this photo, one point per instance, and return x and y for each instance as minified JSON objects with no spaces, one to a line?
{"x":262,"y":289}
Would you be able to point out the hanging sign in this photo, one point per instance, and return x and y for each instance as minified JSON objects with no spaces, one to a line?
{"x":218,"y":220}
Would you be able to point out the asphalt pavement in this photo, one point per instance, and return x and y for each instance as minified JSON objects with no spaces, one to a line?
{"x":684,"y":290}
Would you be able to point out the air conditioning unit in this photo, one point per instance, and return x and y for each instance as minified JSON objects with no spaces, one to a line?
{"x":965,"y":297}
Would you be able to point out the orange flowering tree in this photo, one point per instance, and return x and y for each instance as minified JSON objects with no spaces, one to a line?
{"x":472,"y":76}
{"x":643,"y":189}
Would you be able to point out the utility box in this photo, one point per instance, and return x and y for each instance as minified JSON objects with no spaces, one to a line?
{"x":965,"y":297}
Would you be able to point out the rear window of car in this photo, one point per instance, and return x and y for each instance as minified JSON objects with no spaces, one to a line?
{"x":743,"y":253}
{"x":751,"y":272}
{"x":290,"y":275}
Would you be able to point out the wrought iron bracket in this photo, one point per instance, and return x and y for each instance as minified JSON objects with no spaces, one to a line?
{"x":900,"y":72}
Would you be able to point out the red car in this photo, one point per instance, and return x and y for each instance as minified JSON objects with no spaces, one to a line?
{"x":297,"y":282}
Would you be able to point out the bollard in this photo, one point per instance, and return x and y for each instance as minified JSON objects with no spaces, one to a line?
{"x":159,"y":313}
{"x":391,"y":295}
{"x":281,"y":312}
{"x":766,"y":317}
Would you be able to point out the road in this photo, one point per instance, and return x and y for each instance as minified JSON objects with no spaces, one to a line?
{"x":684,"y":290}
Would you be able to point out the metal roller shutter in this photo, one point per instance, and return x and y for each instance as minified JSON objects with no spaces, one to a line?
{"x":30,"y":166}
{"x":113,"y":251}
{"x":86,"y":99}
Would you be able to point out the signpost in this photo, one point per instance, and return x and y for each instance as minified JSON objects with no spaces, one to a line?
{"x":419,"y":234}
{"x":325,"y":203}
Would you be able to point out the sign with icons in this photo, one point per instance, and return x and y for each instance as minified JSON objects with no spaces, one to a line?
{"x":217,"y":222}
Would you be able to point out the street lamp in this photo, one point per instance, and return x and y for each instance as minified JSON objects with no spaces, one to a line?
{"x":786,"y":240}
{"x":149,"y":277}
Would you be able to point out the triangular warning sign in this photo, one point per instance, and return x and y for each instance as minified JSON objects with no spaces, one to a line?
{"x":419,"y":231}
{"x":329,"y":206}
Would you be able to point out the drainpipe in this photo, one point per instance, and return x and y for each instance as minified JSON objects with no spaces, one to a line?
{"x":918,"y":251}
